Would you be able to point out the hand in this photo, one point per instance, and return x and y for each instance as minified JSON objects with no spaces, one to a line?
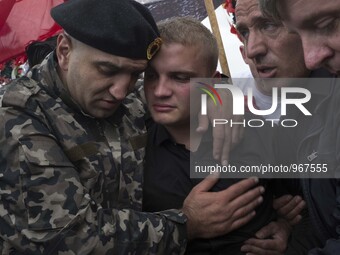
{"x":269,"y":240}
{"x":289,"y":208}
{"x":225,"y":137}
{"x":212,"y":214}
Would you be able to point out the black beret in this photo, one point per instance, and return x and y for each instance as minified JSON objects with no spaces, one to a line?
{"x":123,"y":28}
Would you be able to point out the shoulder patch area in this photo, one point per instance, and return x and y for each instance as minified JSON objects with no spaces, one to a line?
{"x":18,"y":92}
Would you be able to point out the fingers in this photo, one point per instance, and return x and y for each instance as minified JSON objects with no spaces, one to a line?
{"x":237,"y":131}
{"x":221,"y":139}
{"x":287,"y":203}
{"x":215,"y":213}
{"x":225,"y":138}
{"x":298,"y":205}
{"x":207,"y":183}
{"x":254,"y":246}
{"x":281,"y":201}
{"x":271,"y":239}
{"x":236,"y":213}
{"x":267,"y":231}
{"x":203,"y":123}
{"x":227,"y":146}
{"x":264,"y":244}
{"x":247,"y":205}
{"x":240,"y":188}
{"x":242,"y":220}
{"x":232,"y":136}
{"x":295,"y":220}
{"x":289,"y":208}
{"x":225,"y":225}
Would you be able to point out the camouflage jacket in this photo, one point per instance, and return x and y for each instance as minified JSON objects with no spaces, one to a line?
{"x":72,"y":184}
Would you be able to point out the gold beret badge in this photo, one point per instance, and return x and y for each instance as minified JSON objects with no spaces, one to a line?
{"x":153,"y":48}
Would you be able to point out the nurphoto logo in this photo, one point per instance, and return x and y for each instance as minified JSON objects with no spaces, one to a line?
{"x":281,"y":97}
{"x":211,"y":91}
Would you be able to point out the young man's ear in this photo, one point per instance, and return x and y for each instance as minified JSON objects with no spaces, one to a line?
{"x":63,"y":50}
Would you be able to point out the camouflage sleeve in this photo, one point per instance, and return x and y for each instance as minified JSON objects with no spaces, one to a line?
{"x":46,"y":207}
{"x":139,"y":91}
{"x":140,"y":95}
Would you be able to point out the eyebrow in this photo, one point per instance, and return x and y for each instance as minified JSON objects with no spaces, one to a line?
{"x":174,"y":72}
{"x":187,"y":73}
{"x":311,"y":17}
{"x":255,"y":22}
{"x":115,"y":67}
{"x":151,"y":67}
{"x":106,"y":64}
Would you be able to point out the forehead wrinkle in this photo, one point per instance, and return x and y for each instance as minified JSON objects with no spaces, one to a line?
{"x":309,"y":15}
{"x":244,"y":9}
{"x":255,"y":21}
{"x":253,"y":12}
{"x":184,"y":72}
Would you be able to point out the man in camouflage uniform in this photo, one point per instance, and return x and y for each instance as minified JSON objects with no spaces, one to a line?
{"x":69,"y":165}
{"x":72,"y":145}
{"x":60,"y":166}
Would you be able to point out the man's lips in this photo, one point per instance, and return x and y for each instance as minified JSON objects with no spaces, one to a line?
{"x":109,"y":104}
{"x":162,"y":107}
{"x":266,"y":71}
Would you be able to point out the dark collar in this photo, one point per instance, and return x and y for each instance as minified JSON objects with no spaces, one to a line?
{"x":161,"y":134}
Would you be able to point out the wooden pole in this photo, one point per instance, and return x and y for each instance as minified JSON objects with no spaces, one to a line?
{"x":209,"y":5}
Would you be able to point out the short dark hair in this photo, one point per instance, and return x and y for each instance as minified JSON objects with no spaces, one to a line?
{"x":36,"y":51}
{"x":271,"y":8}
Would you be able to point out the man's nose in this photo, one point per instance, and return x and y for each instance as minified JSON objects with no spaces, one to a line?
{"x":162,"y":88}
{"x":315,"y":52}
{"x":120,"y":86}
{"x":255,"y":45}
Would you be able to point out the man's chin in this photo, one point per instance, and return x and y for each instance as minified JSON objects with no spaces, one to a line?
{"x":101,"y":114}
{"x":163,"y":121}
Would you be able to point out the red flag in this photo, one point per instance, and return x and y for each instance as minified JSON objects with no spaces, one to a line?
{"x":23,"y":21}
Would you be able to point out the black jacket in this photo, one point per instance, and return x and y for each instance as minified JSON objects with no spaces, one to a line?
{"x":315,"y":144}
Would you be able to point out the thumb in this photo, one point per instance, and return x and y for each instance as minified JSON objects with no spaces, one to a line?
{"x":207,"y":183}
{"x":203,"y":123}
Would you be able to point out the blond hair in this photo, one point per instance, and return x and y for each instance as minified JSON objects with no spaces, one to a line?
{"x":190,"y":32}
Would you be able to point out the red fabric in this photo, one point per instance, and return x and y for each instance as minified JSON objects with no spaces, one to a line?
{"x":28,"y":20}
{"x":6,"y":7}
{"x":229,"y":6}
